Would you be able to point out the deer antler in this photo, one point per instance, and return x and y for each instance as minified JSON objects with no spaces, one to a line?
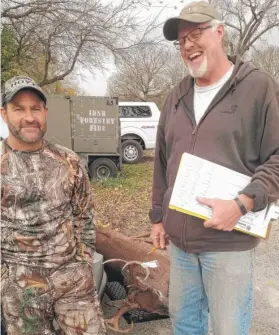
{"x":113,"y":323}
{"x":129,"y":263}
{"x":114,"y":260}
{"x":138,"y":263}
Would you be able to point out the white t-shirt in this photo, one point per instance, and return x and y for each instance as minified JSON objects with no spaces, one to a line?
{"x":203,"y":95}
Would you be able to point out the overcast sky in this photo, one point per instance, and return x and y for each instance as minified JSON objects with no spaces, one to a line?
{"x":97,"y":85}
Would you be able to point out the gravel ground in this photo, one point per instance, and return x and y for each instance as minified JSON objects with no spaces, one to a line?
{"x":266,"y":301}
{"x":266,"y":297}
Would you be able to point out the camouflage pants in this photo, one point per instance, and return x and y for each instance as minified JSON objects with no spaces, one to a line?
{"x":32,"y":298}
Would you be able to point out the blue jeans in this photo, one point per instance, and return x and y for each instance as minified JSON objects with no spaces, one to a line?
{"x":220,"y":282}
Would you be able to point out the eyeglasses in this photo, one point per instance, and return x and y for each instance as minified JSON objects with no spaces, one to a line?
{"x":192,"y":36}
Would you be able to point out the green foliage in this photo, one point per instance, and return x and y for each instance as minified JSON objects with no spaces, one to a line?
{"x":9,"y":67}
{"x":13,"y":64}
{"x":132,"y":179}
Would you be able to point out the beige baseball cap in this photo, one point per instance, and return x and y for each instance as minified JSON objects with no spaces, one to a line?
{"x":196,"y":12}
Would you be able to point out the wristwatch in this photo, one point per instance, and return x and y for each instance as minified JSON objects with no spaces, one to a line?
{"x":241,"y":206}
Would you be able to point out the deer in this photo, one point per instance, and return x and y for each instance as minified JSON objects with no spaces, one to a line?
{"x":147,"y":288}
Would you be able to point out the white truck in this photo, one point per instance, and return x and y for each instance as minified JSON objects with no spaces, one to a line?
{"x":139,"y":121}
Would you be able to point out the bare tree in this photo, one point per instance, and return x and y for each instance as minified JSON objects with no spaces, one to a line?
{"x":54,"y":36}
{"x":248,"y":21}
{"x":21,"y":9}
{"x":268,"y":59}
{"x":176,"y":69}
{"x":146,"y":74}
{"x":140,"y":73}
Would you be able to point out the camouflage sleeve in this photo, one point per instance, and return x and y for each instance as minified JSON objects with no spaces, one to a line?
{"x":4,"y":273}
{"x":82,"y":203}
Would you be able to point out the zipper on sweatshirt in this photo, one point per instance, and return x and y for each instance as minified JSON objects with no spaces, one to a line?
{"x":184,"y":239}
{"x":195,"y":126}
{"x":191,"y":116}
{"x":192,"y":147}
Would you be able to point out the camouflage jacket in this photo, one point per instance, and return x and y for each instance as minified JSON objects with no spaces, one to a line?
{"x":46,"y":207}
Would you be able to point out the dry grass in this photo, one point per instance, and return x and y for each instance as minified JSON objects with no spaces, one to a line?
{"x":123,"y":203}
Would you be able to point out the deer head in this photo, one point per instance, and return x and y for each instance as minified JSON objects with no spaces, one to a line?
{"x":140,"y":294}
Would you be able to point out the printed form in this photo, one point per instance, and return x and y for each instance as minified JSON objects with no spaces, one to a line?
{"x":199,"y":177}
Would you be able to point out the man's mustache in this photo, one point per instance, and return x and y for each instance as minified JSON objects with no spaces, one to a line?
{"x":34,"y":124}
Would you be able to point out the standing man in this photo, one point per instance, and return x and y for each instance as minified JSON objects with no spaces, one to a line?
{"x":225,"y":111}
{"x":47,"y":225}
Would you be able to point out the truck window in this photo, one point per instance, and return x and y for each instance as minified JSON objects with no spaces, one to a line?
{"x":135,"y":111}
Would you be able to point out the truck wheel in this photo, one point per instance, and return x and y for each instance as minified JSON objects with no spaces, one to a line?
{"x":102,"y":168}
{"x":132,"y":151}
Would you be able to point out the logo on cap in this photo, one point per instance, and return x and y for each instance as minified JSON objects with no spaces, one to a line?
{"x":15,"y":84}
{"x":21,"y":81}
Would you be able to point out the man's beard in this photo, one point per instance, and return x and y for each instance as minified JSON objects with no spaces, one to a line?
{"x":17,"y":133}
{"x":201,"y":71}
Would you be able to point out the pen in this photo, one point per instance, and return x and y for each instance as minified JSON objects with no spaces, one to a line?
{"x":153,"y":249}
